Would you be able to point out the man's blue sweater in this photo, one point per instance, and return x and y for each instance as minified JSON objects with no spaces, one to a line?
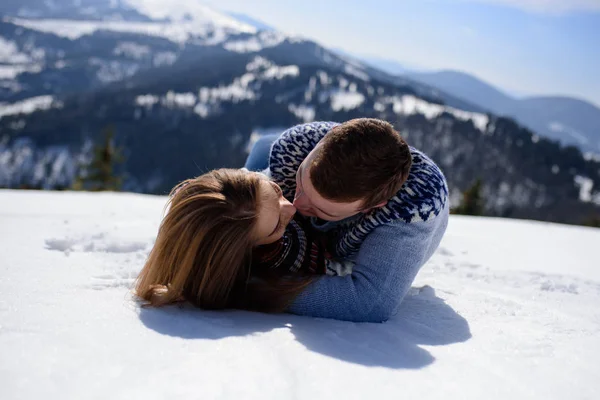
{"x":388,"y":245}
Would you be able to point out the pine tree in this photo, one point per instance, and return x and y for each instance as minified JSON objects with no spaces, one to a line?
{"x":100,"y":174}
{"x":473,"y":202}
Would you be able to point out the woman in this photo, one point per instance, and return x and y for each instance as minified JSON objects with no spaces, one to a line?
{"x":230,"y":240}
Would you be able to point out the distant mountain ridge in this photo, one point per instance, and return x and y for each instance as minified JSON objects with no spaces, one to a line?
{"x":186,"y":92}
{"x":569,"y":120}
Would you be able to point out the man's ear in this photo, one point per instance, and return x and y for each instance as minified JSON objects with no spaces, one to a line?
{"x":366,"y":210}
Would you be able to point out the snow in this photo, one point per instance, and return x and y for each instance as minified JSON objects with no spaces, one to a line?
{"x":512,"y":313}
{"x":586,"y":185}
{"x":235,"y":92}
{"x":277,"y":72}
{"x":178,"y":32}
{"x":28,"y":106}
{"x":345,"y":100}
{"x":183,"y":100}
{"x":21,"y":163}
{"x":208,"y":100}
{"x":258,"y":63}
{"x":203,"y":110}
{"x":146,"y":100}
{"x":304,"y":112}
{"x":357,"y":72}
{"x":132,"y":50}
{"x":409,"y":105}
{"x":12,"y":71}
{"x":324,"y":78}
{"x":589,"y":156}
{"x":164,"y":58}
{"x":188,"y":10}
{"x":113,"y":71}
{"x":9,"y":53}
{"x":262,"y":40}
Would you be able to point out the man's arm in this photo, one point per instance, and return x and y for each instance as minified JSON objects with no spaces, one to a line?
{"x":386,"y":265}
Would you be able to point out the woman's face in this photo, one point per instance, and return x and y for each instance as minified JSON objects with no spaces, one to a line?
{"x":274,"y":213}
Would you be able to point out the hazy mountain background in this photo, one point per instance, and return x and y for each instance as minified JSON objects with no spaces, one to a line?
{"x":188,"y":88}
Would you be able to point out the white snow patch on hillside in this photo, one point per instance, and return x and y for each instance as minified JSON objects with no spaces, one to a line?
{"x":408,"y":105}
{"x":183,"y":100}
{"x":147,"y":100}
{"x":164,"y":58}
{"x":258,"y":63}
{"x":345,"y":100}
{"x":509,"y":314}
{"x":235,"y":92}
{"x":113,"y":71}
{"x":132,"y":50}
{"x":256,"y":43}
{"x":209,"y":99}
{"x":586,"y":186}
{"x":277,"y":72}
{"x":591,"y":156}
{"x":304,"y":112}
{"x":28,"y":106}
{"x":185,"y":11}
{"x":12,"y":71}
{"x":10,"y":54}
{"x":356,"y":71}
{"x":178,"y":32}
{"x":21,"y":163}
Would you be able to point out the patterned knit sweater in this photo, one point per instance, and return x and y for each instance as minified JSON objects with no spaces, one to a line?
{"x":301,"y":251}
{"x":388,"y":245}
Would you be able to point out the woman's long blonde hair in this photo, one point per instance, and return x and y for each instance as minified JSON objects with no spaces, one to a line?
{"x":203,"y":251}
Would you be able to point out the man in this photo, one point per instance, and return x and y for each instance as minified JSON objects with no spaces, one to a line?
{"x":384,"y":203}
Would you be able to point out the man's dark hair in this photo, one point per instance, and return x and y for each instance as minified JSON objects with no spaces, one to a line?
{"x":361,"y":159}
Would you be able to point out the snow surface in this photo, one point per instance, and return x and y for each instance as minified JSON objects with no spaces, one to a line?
{"x":28,"y":106}
{"x":504,"y":310}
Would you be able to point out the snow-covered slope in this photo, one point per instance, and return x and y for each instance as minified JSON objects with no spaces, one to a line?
{"x":504,"y":310}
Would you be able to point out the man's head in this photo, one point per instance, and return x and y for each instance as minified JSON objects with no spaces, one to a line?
{"x":359,"y":165}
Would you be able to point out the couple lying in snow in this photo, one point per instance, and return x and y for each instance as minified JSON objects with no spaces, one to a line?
{"x":336,"y":222}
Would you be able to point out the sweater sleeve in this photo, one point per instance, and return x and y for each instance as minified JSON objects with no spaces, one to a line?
{"x":386,"y":265}
{"x":290,"y":149}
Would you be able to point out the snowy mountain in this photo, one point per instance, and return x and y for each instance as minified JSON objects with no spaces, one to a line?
{"x":571,"y":121}
{"x":72,"y":9}
{"x":509,"y":314}
{"x":187,"y":90}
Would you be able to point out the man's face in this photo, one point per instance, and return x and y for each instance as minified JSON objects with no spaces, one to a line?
{"x":311,"y":204}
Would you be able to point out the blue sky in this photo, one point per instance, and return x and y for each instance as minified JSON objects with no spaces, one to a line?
{"x":533,"y":47}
